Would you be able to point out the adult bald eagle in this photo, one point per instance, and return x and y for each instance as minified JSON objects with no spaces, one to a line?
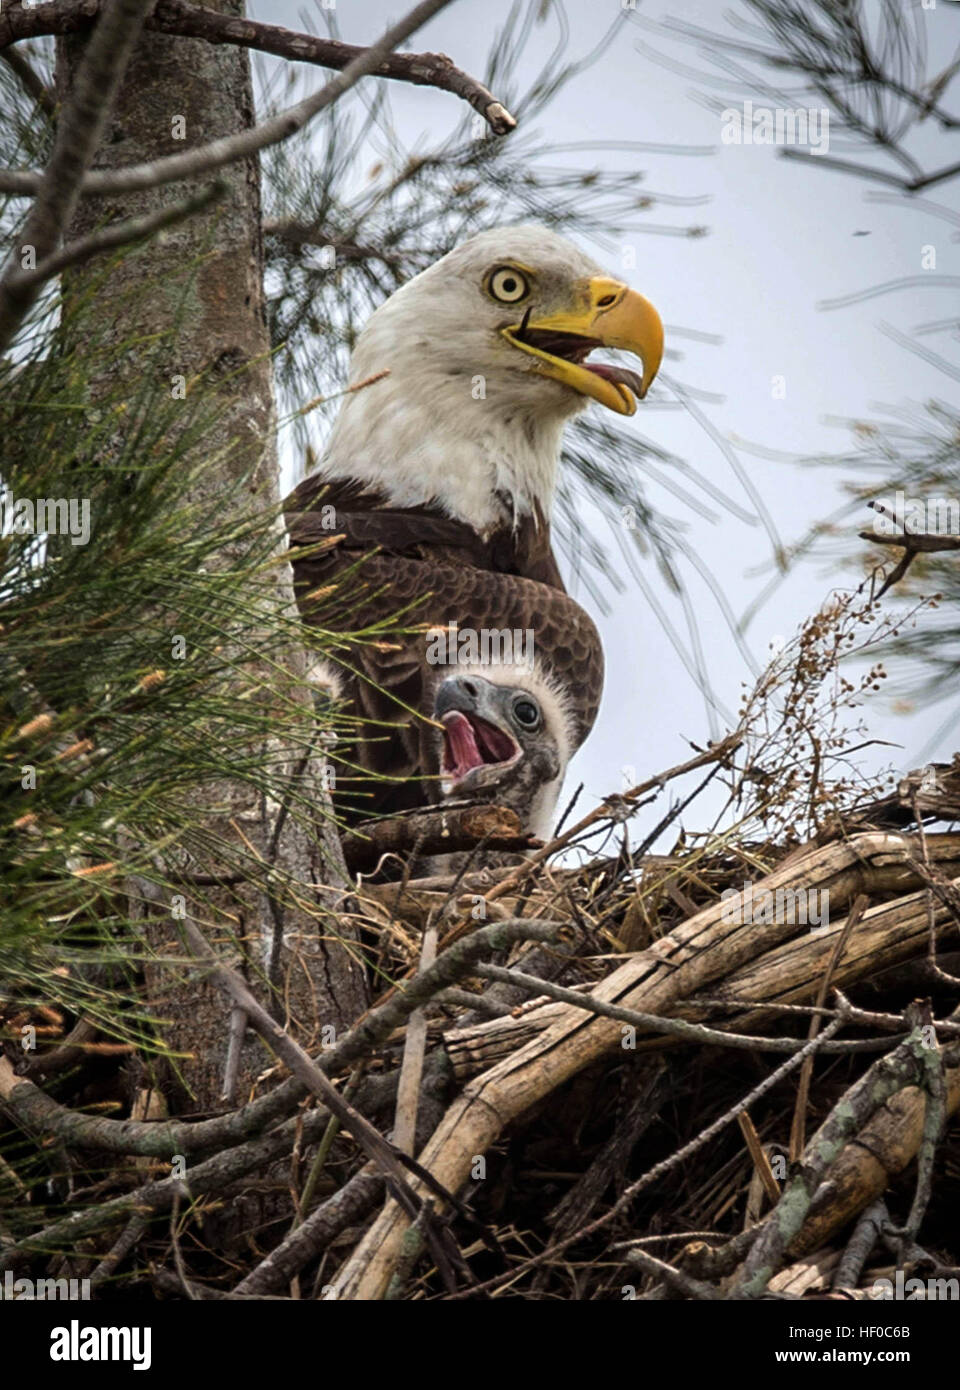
{"x":441,"y":477}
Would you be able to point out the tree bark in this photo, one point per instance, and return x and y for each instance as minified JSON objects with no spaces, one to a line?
{"x":178,"y":87}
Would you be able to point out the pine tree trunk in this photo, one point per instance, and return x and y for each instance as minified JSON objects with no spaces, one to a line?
{"x":203,"y":91}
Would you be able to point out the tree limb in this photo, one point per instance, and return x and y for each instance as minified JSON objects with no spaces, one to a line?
{"x":79,"y":132}
{"x":196,"y":22}
{"x":437,"y":830}
{"x":230,"y":148}
{"x":117,"y":234}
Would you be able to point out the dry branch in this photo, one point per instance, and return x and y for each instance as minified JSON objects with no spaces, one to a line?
{"x":701,"y":951}
{"x":868,"y":1164}
{"x":79,"y":131}
{"x":231,"y":148}
{"x":438,"y":830}
{"x":195,"y":21}
{"x":787,"y":974}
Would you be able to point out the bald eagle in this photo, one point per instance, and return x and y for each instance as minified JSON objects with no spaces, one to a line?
{"x":441,"y":477}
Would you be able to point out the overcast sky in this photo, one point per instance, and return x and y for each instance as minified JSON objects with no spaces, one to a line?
{"x":781,"y":239}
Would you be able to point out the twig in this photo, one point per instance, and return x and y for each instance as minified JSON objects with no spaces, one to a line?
{"x":31,"y":82}
{"x":436,"y":830}
{"x":883,"y":1079}
{"x":230,"y":148}
{"x":411,"y":1067}
{"x":193,"y":21}
{"x":866,"y":1233}
{"x":683,"y":1283}
{"x":348,"y":1206}
{"x":79,"y":131}
{"x":613,"y":807}
{"x":236,"y":1033}
{"x":672,"y":1027}
{"x":798,"y":1127}
{"x":28,"y":1106}
{"x":653,"y":1174}
{"x":412,"y":1247}
{"x":914,"y":185}
{"x":109,"y":238}
{"x":761,"y":1162}
{"x":935,"y":1088}
{"x":369,"y":1139}
{"x":913,"y":544}
{"x":128,"y":1238}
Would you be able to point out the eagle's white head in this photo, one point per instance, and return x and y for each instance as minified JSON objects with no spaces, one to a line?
{"x":486,"y":353}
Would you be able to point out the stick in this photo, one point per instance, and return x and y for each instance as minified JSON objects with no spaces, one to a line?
{"x":110,"y":238}
{"x":798,"y":1127}
{"x":196,"y":22}
{"x":411,"y":1068}
{"x":437,"y":830}
{"x":79,"y":131}
{"x":230,"y":148}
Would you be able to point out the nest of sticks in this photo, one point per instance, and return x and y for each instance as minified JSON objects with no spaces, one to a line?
{"x":729,"y":1071}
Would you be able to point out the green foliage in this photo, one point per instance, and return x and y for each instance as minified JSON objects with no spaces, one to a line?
{"x":138,"y":670}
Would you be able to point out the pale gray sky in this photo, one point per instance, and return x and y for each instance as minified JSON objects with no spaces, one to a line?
{"x":781,"y":239}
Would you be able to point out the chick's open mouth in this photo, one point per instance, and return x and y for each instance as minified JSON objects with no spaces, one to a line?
{"x":469,"y":743}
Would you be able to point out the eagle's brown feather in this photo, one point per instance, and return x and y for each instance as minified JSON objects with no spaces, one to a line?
{"x":437,"y":571}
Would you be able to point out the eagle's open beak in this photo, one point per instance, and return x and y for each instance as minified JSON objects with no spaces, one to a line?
{"x":603,"y":313}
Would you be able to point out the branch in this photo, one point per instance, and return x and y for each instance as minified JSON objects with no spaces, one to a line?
{"x":230,"y":148}
{"x":79,"y":132}
{"x":913,"y":544}
{"x":422,"y":69}
{"x":669,"y":1027}
{"x":370,"y":1140}
{"x":652,"y":1175}
{"x":437,"y":830}
{"x":848,"y":166}
{"x":883,"y":1080}
{"x":115,"y":235}
{"x":31,"y":82}
{"x":196,"y":22}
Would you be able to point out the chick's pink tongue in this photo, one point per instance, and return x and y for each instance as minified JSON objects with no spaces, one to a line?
{"x":462,"y":751}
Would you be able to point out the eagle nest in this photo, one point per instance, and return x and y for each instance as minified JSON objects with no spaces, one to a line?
{"x":728,"y":1071}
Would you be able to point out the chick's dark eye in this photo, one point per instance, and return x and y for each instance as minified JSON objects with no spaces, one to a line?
{"x":508,"y":285}
{"x":526,"y":713}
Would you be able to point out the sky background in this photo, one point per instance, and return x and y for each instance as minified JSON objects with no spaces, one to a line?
{"x":780,"y":239}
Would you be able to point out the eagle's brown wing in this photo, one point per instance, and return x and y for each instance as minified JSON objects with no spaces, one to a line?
{"x":365,"y":519}
{"x":431,"y":571}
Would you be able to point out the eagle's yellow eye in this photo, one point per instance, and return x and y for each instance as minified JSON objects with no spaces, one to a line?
{"x":508,"y":285}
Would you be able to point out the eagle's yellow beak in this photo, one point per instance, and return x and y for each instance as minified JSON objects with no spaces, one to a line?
{"x":603,"y":313}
